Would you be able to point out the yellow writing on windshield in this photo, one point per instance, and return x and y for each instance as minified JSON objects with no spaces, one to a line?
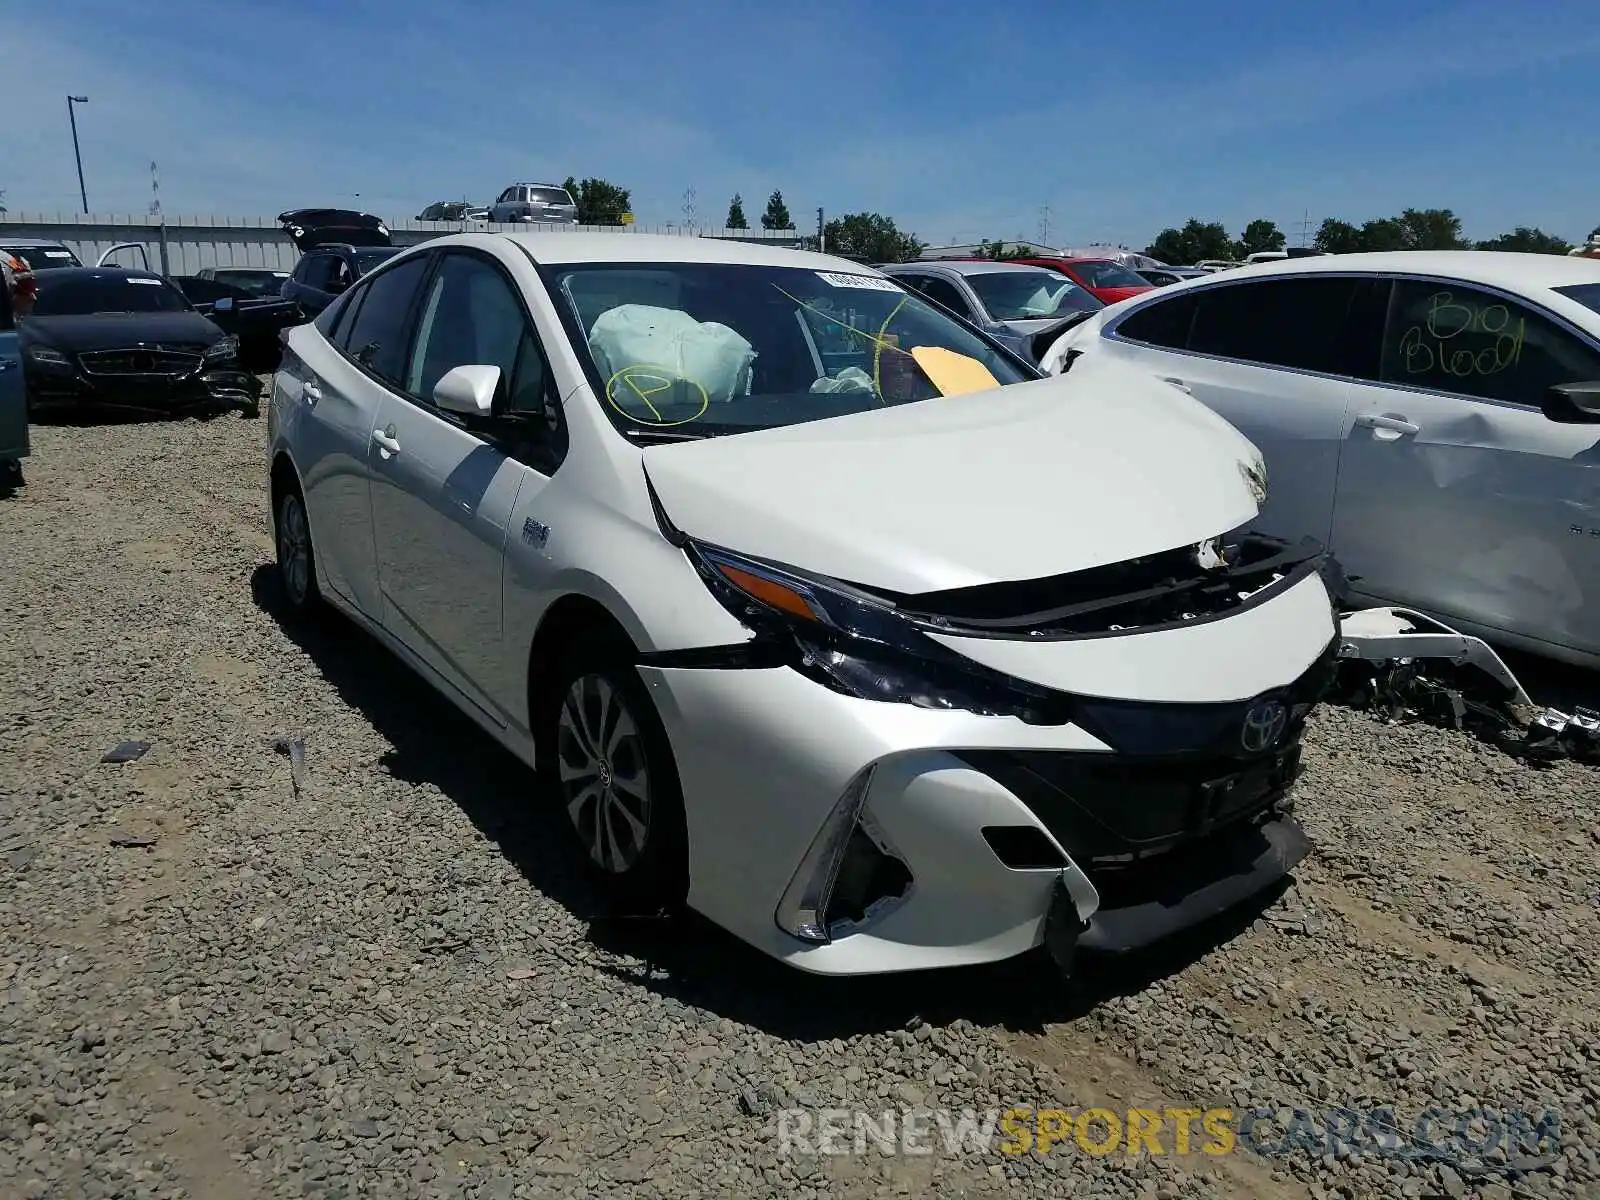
{"x":643,"y":384}
{"x":953,"y":374}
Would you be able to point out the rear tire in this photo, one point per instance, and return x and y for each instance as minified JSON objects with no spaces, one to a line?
{"x":603,"y":754}
{"x":297,"y":561}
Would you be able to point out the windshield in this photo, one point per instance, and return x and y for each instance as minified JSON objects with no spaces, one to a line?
{"x":1106,"y":274}
{"x":1586,"y":294}
{"x":367,"y":259}
{"x":705,"y":349}
{"x":42,"y":258}
{"x":257,"y":283}
{"x":1030,"y":295}
{"x":77,"y":295}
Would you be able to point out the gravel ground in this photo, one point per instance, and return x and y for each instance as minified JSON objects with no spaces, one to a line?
{"x":390,"y":984}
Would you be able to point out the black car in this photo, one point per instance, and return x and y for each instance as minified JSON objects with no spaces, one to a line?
{"x":254,"y":318}
{"x":338,"y":246}
{"x":40,"y":255}
{"x":110,"y":337}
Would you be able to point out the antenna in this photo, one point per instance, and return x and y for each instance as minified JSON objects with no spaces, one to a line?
{"x":688,"y":208}
{"x":1305,"y":229}
{"x":1044,"y":225}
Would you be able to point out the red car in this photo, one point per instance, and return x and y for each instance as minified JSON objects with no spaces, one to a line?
{"x":1107,"y":281}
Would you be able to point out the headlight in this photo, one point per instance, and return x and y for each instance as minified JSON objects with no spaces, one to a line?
{"x":223,"y":350}
{"x":1255,"y":475}
{"x":48,"y":356}
{"x":861,"y":646}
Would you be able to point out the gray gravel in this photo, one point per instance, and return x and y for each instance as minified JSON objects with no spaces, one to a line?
{"x":393,"y":985}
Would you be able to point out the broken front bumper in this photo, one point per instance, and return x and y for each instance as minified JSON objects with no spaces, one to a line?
{"x":850,"y":836}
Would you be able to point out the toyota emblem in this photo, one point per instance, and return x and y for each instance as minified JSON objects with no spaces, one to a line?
{"x":143,"y":360}
{"x":1263,"y":726}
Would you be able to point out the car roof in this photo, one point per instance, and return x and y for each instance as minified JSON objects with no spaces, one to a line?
{"x":1498,"y":268}
{"x":1067,"y":258}
{"x":960,"y":266}
{"x":558,"y":248}
{"x":31,"y":242}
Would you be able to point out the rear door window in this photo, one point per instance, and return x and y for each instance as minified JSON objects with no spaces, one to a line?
{"x":380,"y":330}
{"x":1296,"y":323}
{"x":317,"y":271}
{"x":1165,"y":323}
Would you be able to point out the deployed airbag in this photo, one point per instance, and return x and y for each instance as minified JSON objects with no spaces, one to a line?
{"x":685,"y":361}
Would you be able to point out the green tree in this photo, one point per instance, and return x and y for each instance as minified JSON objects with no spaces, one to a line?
{"x":1338,"y":237}
{"x":1260,"y":234}
{"x":1383,"y":233}
{"x":998,"y":251}
{"x":873,"y":236}
{"x":1526,"y":240}
{"x":1196,"y":241}
{"x":599,"y":202}
{"x":777,"y":214}
{"x":1431,"y":229}
{"x":736,"y":214}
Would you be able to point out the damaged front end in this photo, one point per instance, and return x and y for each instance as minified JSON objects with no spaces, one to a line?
{"x":1183,"y":811}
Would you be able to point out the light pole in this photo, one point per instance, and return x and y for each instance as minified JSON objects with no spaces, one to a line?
{"x":72,"y":116}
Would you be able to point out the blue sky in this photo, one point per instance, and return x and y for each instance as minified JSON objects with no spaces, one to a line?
{"x":1122,"y":118}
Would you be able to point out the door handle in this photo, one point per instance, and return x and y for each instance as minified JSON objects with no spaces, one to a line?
{"x":1179,"y":384}
{"x":1388,"y":423}
{"x":310,"y":393}
{"x":386,"y":442}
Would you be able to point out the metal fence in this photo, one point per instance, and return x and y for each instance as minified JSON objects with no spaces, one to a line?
{"x":193,"y":242}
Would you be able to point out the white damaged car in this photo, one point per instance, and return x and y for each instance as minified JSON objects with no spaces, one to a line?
{"x":815,"y":609}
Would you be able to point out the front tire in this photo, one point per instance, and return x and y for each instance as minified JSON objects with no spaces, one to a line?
{"x":605,"y":756}
{"x":297,"y":562}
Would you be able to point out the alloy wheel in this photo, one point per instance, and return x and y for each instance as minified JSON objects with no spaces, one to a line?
{"x":294,"y":549}
{"x":604,"y":776}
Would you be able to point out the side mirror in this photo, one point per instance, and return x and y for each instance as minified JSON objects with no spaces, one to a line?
{"x":224,"y":305}
{"x":1573,"y":403}
{"x":468,"y":390}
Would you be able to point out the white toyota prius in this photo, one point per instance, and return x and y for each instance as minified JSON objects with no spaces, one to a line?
{"x":814,"y":609}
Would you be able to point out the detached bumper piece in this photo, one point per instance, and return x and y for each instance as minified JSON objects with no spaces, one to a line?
{"x":1403,"y":665}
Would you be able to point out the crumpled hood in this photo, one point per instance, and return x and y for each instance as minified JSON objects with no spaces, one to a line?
{"x":116,"y":331}
{"x":1097,"y":466}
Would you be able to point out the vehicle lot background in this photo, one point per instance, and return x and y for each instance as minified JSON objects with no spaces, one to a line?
{"x":391,"y":984}
{"x":195,"y":242}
